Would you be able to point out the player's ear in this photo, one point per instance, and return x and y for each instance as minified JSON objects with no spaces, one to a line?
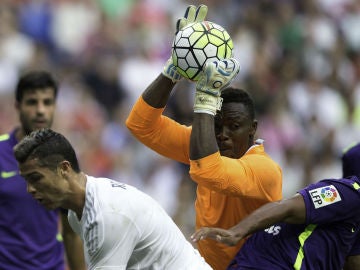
{"x":253,"y":128}
{"x":63,"y":168}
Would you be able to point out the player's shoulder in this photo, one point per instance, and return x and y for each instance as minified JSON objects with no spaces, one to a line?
{"x":107,"y":186}
{"x":109,"y":194}
{"x":7,"y":142}
{"x":352,"y":150}
{"x":351,"y":182}
{"x":257,"y":152}
{"x":8,"y":138}
{"x":4,"y":137}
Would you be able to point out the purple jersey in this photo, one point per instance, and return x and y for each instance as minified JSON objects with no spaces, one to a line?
{"x":323,"y":242}
{"x":28,"y":232}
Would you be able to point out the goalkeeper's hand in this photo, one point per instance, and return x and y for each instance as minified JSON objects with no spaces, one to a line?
{"x":192,"y":15}
{"x":214,"y":77}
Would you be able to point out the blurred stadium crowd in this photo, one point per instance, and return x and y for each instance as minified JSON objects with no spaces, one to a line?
{"x":300,"y":60}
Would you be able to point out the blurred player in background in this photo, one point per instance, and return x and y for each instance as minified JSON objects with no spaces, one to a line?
{"x":318,"y":228}
{"x":351,"y":160}
{"x":29,"y":234}
{"x":234,"y":174}
{"x":351,"y":166}
{"x":122,"y":227}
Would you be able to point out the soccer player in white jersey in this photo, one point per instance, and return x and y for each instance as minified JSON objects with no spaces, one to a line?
{"x":121,"y":227}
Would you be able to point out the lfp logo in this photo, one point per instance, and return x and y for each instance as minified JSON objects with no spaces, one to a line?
{"x":329,"y":194}
{"x":324,"y":196}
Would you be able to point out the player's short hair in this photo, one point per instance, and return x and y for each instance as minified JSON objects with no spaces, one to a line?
{"x":48,"y":147}
{"x":232,"y":94}
{"x":32,"y":80}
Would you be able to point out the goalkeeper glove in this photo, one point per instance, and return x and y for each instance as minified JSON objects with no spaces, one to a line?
{"x":214,"y":77}
{"x":192,"y":15}
{"x":171,"y":72}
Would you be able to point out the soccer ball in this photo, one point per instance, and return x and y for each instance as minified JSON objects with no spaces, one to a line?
{"x":198,"y":43}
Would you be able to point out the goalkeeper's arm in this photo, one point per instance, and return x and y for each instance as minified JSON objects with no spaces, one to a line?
{"x":214,"y":77}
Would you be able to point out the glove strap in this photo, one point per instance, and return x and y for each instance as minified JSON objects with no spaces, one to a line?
{"x":170,"y":71}
{"x":207,"y":103}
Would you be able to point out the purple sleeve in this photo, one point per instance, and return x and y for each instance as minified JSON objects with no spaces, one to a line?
{"x":331,"y":201}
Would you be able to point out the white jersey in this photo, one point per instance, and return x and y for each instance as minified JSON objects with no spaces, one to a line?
{"x":124,"y":228}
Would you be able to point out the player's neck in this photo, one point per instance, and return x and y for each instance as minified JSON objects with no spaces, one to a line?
{"x":19,"y":134}
{"x":79,"y":189}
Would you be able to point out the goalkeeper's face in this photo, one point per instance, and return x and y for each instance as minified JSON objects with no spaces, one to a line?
{"x":234,"y":130}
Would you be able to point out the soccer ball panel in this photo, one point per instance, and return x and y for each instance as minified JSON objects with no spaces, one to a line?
{"x":182,"y":52}
{"x":183,"y":42}
{"x":198,"y":38}
{"x":217,"y":33}
{"x":198,"y":43}
{"x":227,"y":36}
{"x":223,"y":48}
{"x":191,"y":60}
{"x":197,"y":27}
{"x":210,"y":50}
{"x":200,"y":57}
{"x":201,"y":43}
{"x":215,"y":40}
{"x":182,"y":62}
{"x":186,"y":32}
{"x":191,"y":73}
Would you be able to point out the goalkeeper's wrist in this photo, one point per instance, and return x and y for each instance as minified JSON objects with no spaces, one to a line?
{"x":207,"y":103}
{"x":170,"y":72}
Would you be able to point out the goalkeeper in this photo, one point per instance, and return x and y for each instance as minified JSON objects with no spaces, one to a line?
{"x":234,"y":175}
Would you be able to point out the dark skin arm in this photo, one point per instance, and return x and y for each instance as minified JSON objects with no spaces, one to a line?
{"x":290,"y":211}
{"x":352,"y":263}
{"x":203,"y":140}
{"x":158,"y":92}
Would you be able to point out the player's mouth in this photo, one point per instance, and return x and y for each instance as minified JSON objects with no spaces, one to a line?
{"x":224,"y":147}
{"x":227,"y":152}
{"x":40,"y":123}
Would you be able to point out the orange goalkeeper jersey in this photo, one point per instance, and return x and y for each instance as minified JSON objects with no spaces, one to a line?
{"x":228,"y":189}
